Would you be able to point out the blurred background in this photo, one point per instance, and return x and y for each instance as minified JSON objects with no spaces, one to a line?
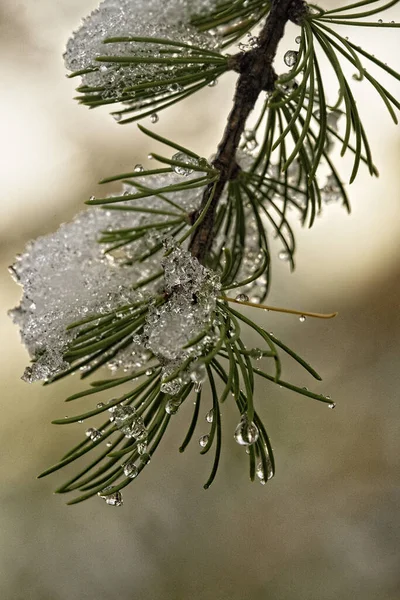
{"x":327,"y":526}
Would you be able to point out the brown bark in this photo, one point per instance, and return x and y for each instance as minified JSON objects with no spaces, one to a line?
{"x":257,"y":75}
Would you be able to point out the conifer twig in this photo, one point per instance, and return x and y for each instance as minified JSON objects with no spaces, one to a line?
{"x":256,"y":75}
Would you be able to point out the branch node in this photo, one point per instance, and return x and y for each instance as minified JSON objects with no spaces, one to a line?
{"x":297,"y":11}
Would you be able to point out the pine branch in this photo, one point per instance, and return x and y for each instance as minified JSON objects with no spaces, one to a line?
{"x":257,"y":75}
{"x":153,"y":296}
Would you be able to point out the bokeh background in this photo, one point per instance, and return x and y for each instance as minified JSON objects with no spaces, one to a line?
{"x":327,"y":526}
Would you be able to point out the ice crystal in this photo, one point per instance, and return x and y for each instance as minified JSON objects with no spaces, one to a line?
{"x":116,"y":18}
{"x":192,"y":291}
{"x":128,"y":422}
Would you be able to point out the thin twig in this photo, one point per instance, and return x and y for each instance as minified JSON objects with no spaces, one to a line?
{"x":257,"y":75}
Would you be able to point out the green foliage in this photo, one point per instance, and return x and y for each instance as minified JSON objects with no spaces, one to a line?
{"x":296,"y":129}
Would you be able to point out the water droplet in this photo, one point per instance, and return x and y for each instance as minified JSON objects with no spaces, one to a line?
{"x":131,"y":470}
{"x":256,"y":353}
{"x":149,"y":372}
{"x":213,"y":83}
{"x":138,"y":168}
{"x":92,"y":198}
{"x":142,"y":447}
{"x":128,"y":422}
{"x":198,"y":372}
{"x":380,"y":20}
{"x":251,"y":145}
{"x":331,"y":405}
{"x":93,"y":433}
{"x":100,"y":405}
{"x":145,"y":458}
{"x":246,"y":433}
{"x":290,"y":58}
{"x":203,"y":441}
{"x":109,"y":444}
{"x":242,"y":298}
{"x":248,"y":134}
{"x":154,"y":118}
{"x":284,"y":255}
{"x":172,"y":406}
{"x":210,"y":416}
{"x":112,"y":499}
{"x":302,"y":319}
{"x":184,"y":158}
{"x":260,"y":471}
{"x":298,"y":39}
{"x":116,"y":116}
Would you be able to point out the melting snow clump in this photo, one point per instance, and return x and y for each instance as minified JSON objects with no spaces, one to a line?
{"x":66,"y":277}
{"x":189,"y":311}
{"x":116,"y":18}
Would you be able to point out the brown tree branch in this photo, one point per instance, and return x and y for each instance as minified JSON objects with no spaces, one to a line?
{"x":257,"y":75}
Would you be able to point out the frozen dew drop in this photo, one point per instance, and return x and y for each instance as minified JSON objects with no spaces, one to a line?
{"x":93,"y":433}
{"x":131,"y":470}
{"x":138,"y":168}
{"x":242,"y":298}
{"x":113,"y":499}
{"x":302,"y":319}
{"x":142,"y":447}
{"x":256,"y":353}
{"x":248,"y":134}
{"x":290,"y":58}
{"x":203,"y":441}
{"x":246,"y":433}
{"x":172,"y":406}
{"x":154,"y":118}
{"x":145,"y":458}
{"x":198,"y":372}
{"x":284,"y":255}
{"x":210,"y":416}
{"x":251,"y":145}
{"x":183,"y":158}
{"x":260,"y":472}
